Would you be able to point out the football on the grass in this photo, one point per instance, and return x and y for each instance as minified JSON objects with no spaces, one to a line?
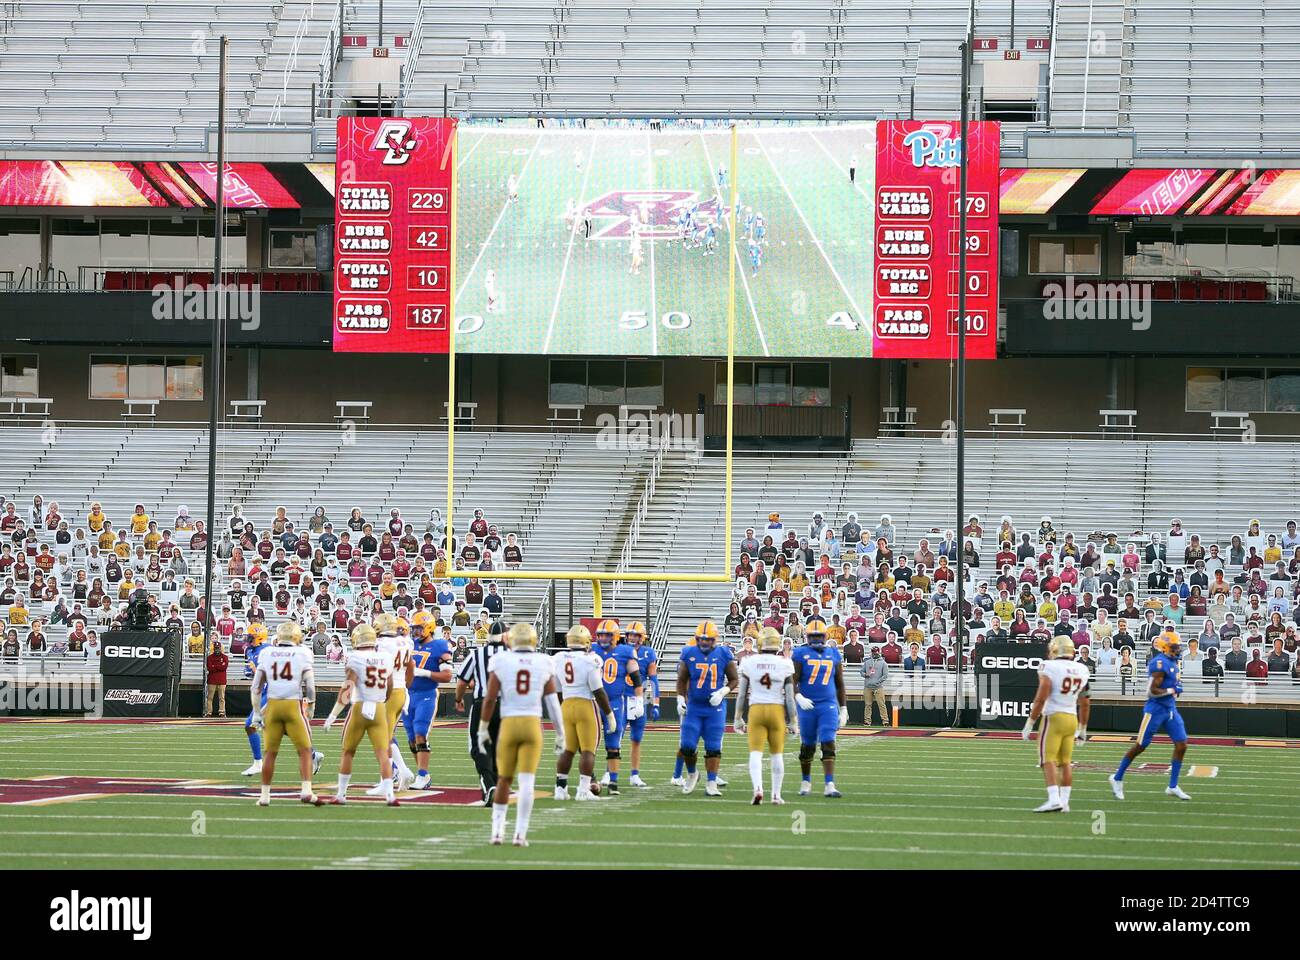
{"x":595,"y":787}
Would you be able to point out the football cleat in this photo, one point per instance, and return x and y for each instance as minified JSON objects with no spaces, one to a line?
{"x":777,"y":800}
{"x":711,"y":789}
{"x":520,"y":841}
{"x":1176,"y":792}
{"x":689,"y":782}
{"x":422,"y":782}
{"x":636,"y":781}
{"x":677,"y":782}
{"x":311,"y":799}
{"x":1050,"y":807}
{"x":376,"y":791}
{"x":333,"y":802}
{"x":404,"y":780}
{"x":394,"y":802}
{"x":253,"y":770}
{"x":604,"y":781}
{"x":805,"y":787}
{"x":317,"y":758}
{"x":830,"y":791}
{"x":561,"y":793}
{"x":497,"y":840}
{"x":263,"y":803}
{"x":586,"y":795}
{"x":613,"y":789}
{"x":758,"y":798}
{"x":1116,"y":787}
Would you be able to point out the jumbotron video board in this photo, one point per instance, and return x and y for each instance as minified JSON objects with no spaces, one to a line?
{"x":392,"y":234}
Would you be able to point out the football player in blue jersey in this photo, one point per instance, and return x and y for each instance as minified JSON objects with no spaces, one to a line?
{"x":257,"y":634}
{"x":431,"y":660}
{"x":819,"y":682}
{"x":1160,"y":712}
{"x":621,"y":675}
{"x":648,"y":667}
{"x":706,"y":674}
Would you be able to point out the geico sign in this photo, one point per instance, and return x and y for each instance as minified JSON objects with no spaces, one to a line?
{"x":137,"y":653}
{"x":1011,"y":663}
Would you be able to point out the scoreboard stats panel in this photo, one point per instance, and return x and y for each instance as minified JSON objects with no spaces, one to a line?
{"x":393,"y":201}
{"x":918,"y":240}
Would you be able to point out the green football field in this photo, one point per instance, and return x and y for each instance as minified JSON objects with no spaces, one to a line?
{"x":927,"y":801}
{"x":560,"y":293}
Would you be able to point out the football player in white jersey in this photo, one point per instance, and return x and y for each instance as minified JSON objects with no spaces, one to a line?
{"x":522,"y":678}
{"x":367,"y":687}
{"x":578,"y":671}
{"x":284,"y":671}
{"x":765,"y":705}
{"x":1062,"y":701}
{"x":395,"y":643}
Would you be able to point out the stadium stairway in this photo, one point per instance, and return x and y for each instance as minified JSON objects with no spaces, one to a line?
{"x":1085,"y":486}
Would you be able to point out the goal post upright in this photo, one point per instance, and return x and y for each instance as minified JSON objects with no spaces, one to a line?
{"x":598,"y":577}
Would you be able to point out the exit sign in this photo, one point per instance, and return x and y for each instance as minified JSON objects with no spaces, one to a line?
{"x":380,"y":52}
{"x":1010,"y":54}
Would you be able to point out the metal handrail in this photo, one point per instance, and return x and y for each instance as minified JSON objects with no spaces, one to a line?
{"x":291,"y":63}
{"x":412,"y":57}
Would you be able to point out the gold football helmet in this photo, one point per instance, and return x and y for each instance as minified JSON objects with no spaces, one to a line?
{"x":578,"y":637}
{"x":1061,"y":648}
{"x":288,"y":633}
{"x":522,"y":636}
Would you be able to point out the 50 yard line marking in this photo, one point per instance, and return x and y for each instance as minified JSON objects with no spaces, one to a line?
{"x":807,"y":226}
{"x":731,"y":245}
{"x":654,"y":309}
{"x":568,"y":253}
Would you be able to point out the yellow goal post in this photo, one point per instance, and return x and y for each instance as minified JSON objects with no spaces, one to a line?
{"x":596,"y":577}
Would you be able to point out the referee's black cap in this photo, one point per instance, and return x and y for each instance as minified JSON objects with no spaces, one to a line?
{"x":498,"y":627}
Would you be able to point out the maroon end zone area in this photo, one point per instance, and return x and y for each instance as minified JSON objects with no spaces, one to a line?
{"x":46,"y":790}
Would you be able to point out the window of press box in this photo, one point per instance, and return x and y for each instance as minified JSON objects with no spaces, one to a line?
{"x":20,"y":248}
{"x":1243,"y":389}
{"x":606,"y":382}
{"x":1054,"y":255}
{"x":775,"y":384}
{"x":18,"y":375}
{"x":292,"y":250}
{"x":118,"y":377}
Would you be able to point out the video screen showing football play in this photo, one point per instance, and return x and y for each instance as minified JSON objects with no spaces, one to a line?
{"x":627,"y":435}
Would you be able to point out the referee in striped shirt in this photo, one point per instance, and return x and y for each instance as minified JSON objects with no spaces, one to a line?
{"x":473,"y":672}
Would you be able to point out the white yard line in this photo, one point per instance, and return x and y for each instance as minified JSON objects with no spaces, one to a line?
{"x":815,"y":241}
{"x":857,"y":184}
{"x":740,"y":263}
{"x":496,"y":223}
{"x":461,"y":161}
{"x":654,"y":309}
{"x":568,"y":253}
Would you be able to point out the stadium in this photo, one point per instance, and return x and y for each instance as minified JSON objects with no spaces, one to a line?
{"x":813,"y":370}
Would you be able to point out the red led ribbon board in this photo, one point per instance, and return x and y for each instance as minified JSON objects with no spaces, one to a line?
{"x":392,"y":234}
{"x":917,"y":240}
